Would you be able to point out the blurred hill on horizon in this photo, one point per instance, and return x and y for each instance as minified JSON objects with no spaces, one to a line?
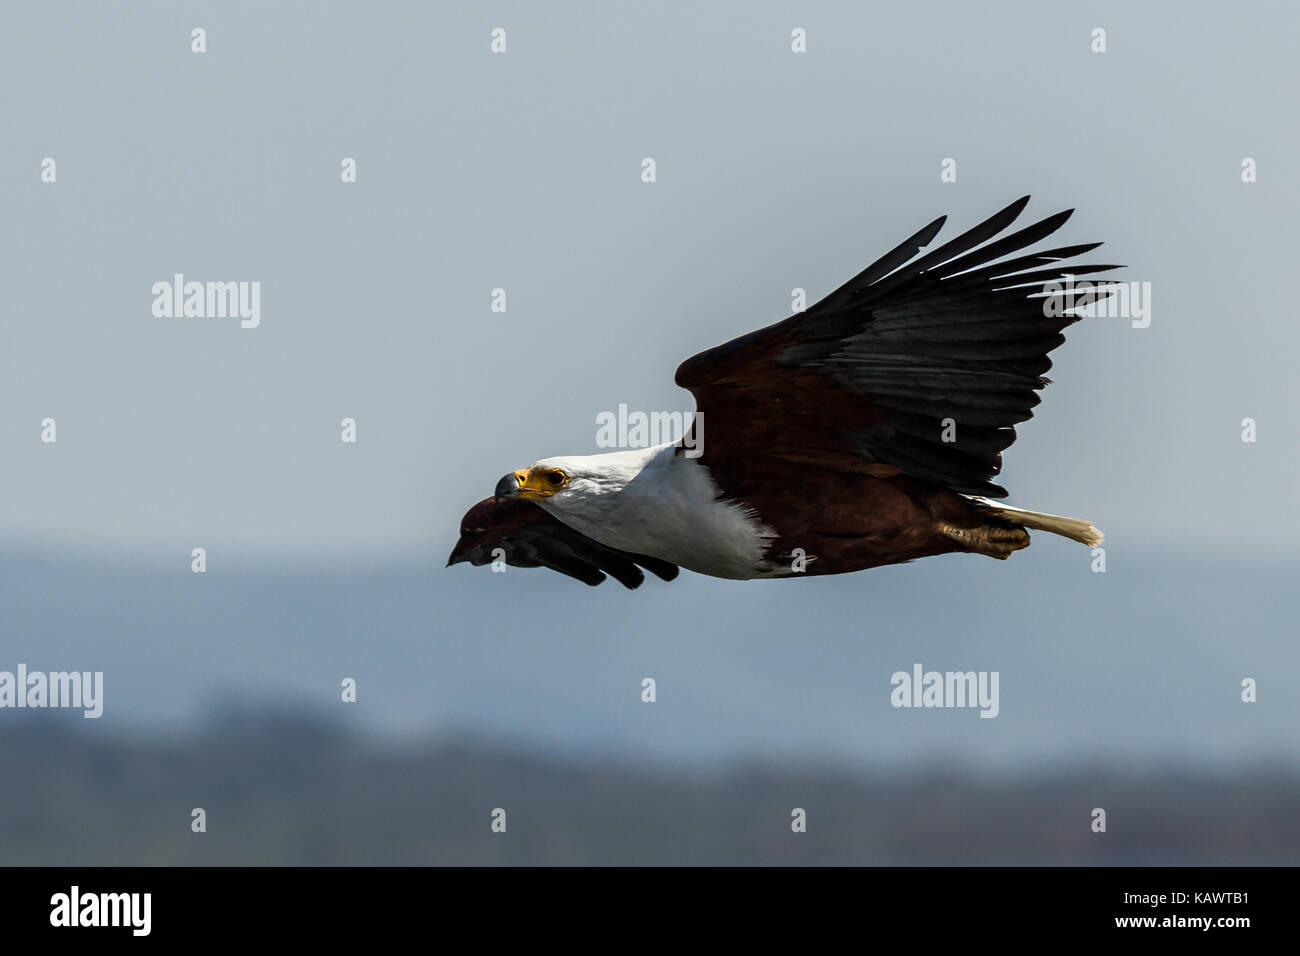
{"x":281,"y":791}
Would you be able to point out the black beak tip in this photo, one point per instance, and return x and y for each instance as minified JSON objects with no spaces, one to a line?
{"x":507,"y":487}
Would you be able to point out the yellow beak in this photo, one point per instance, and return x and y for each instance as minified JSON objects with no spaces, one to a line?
{"x":524,"y":483}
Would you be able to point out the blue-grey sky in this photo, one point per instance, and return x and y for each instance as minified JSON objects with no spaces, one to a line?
{"x":522,"y":171}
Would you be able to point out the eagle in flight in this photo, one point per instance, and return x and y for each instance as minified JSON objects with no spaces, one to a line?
{"x":861,"y":432}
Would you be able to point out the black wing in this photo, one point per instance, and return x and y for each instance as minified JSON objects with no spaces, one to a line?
{"x":528,"y":537}
{"x":867,"y":379}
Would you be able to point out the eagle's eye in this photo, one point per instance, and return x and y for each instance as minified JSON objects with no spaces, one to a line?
{"x":556,"y":478}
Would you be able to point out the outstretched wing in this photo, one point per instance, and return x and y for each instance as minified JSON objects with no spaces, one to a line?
{"x":528,"y":537}
{"x":919,"y":366}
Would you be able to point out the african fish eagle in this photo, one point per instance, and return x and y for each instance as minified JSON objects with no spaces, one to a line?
{"x":861,"y":432}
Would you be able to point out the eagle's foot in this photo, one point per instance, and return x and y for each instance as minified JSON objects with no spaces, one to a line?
{"x":990,"y":540}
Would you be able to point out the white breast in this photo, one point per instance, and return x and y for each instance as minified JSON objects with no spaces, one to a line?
{"x":661,"y":504}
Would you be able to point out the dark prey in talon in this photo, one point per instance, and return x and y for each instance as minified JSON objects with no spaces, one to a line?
{"x":864,"y":431}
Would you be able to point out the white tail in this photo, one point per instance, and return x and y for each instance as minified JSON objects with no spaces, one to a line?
{"x":1074,"y":528}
